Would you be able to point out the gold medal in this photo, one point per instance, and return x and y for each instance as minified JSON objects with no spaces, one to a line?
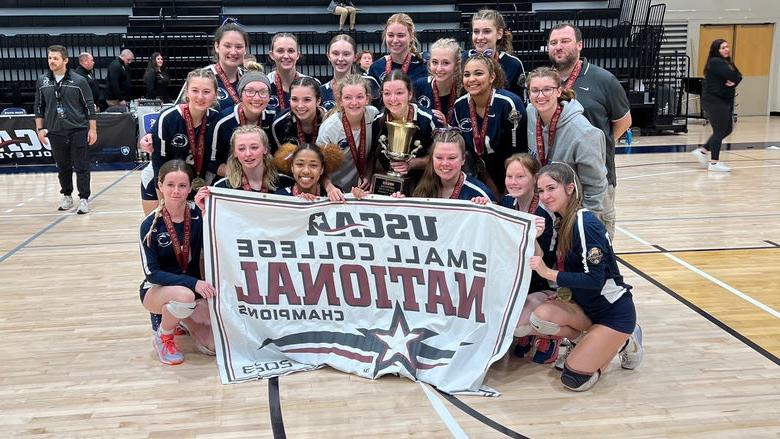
{"x":198,"y":183}
{"x":563,"y":294}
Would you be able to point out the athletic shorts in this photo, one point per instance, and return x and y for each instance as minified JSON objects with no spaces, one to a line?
{"x":620,"y":316}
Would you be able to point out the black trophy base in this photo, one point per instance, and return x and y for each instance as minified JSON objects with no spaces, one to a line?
{"x":384,"y":184}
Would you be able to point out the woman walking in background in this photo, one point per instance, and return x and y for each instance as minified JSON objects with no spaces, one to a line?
{"x":721,"y":77}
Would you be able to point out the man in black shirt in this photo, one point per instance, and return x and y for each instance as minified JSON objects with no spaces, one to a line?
{"x":118,"y":80}
{"x":65,"y":115}
{"x":86,"y":64}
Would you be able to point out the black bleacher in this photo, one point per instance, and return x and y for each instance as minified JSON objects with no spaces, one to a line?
{"x":66,"y":3}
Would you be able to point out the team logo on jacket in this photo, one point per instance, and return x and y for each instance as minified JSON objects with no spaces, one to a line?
{"x":343,"y":144}
{"x":595,"y":255}
{"x":222,"y":94}
{"x":180,"y":141}
{"x":424,"y":101}
{"x":273,"y":102}
{"x":465,"y":126}
{"x":328,"y":105}
{"x":125,"y":150}
{"x":163,"y":239}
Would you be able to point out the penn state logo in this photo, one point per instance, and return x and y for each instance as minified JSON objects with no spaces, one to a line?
{"x":343,"y":144}
{"x":222,"y":94}
{"x":125,"y":150}
{"x":163,"y":239}
{"x":273,"y":102}
{"x":328,"y":105}
{"x":180,"y":141}
{"x":465,"y":126}
{"x":424,"y":101}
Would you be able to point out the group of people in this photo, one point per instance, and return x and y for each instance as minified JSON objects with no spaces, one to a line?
{"x":475,"y":139}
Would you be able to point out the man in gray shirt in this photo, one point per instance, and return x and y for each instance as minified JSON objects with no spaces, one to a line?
{"x":603,"y":98}
{"x":65,"y":115}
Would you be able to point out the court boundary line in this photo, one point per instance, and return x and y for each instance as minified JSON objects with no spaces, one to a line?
{"x":444,"y":414}
{"x":467,"y":409}
{"x":54,"y":223}
{"x":692,"y":250}
{"x":275,"y":409}
{"x":758,"y":304}
{"x":728,"y":329}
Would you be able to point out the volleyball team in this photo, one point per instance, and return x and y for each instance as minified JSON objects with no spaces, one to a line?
{"x":288,"y":134}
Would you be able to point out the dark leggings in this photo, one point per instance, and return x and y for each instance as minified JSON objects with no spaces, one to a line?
{"x":721,"y":117}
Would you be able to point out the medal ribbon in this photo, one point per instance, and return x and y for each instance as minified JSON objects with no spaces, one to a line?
{"x":182,"y":251}
{"x":359,"y":152}
{"x":302,"y":136}
{"x":228,"y":85}
{"x":248,"y":187}
{"x":450,"y":99}
{"x":280,"y":90}
{"x":197,"y":146}
{"x":575,"y":72}
{"x":458,"y":186}
{"x":479,"y":139}
{"x":404,"y":66}
{"x":540,"y":149}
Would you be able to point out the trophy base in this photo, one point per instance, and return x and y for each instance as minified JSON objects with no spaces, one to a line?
{"x":384,"y":184}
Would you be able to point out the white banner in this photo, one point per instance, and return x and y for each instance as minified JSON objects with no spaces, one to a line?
{"x":428,"y":289}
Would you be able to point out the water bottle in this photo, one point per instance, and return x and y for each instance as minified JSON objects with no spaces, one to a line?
{"x":133,"y":106}
{"x":629,"y":137}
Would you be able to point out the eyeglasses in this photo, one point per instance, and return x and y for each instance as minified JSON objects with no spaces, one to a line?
{"x":546,"y":91}
{"x":252,"y":93}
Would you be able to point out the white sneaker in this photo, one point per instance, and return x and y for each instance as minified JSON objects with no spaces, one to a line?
{"x":701,"y":156}
{"x":631,"y":355}
{"x":66,"y":203}
{"x":83,"y":207}
{"x":719,"y":167}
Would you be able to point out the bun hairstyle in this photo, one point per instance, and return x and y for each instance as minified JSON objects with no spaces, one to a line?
{"x":253,"y":66}
{"x":492,"y":66}
{"x":330,"y":156}
{"x":504,"y":43}
{"x":567,"y":94}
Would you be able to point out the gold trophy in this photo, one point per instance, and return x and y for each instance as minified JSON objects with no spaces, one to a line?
{"x":395,"y":146}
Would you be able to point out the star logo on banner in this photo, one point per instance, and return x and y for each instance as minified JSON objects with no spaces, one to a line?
{"x":398,"y":345}
{"x":319,"y":219}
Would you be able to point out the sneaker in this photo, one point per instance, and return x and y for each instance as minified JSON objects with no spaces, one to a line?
{"x":66,"y":203}
{"x":701,"y":156}
{"x":83,"y":207}
{"x":524,"y":345}
{"x":166,"y":349}
{"x":631,"y":354}
{"x":719,"y":167}
{"x":567,"y":346}
{"x":546,"y":350}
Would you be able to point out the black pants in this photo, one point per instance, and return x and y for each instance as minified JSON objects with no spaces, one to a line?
{"x":71,"y":154}
{"x":721,"y":116}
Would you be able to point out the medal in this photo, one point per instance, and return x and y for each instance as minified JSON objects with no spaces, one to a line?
{"x":198,"y":183}
{"x":563,"y":294}
{"x":404,"y":66}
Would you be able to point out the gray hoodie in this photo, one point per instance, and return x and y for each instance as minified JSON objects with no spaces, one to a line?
{"x":579,"y":144}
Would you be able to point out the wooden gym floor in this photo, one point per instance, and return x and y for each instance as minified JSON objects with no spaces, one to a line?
{"x":701,"y":249}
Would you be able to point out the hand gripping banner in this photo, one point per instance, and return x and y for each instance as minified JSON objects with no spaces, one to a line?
{"x":429,"y":289}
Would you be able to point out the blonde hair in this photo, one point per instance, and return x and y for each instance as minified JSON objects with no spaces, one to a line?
{"x":253,"y":66}
{"x":452,"y":45}
{"x":504,"y":43}
{"x":567,"y":94}
{"x":526,"y":160}
{"x":201,"y":74}
{"x":234,"y":172}
{"x":430,"y":184}
{"x":351,"y":79}
{"x":175,"y":165}
{"x":407,"y":21}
